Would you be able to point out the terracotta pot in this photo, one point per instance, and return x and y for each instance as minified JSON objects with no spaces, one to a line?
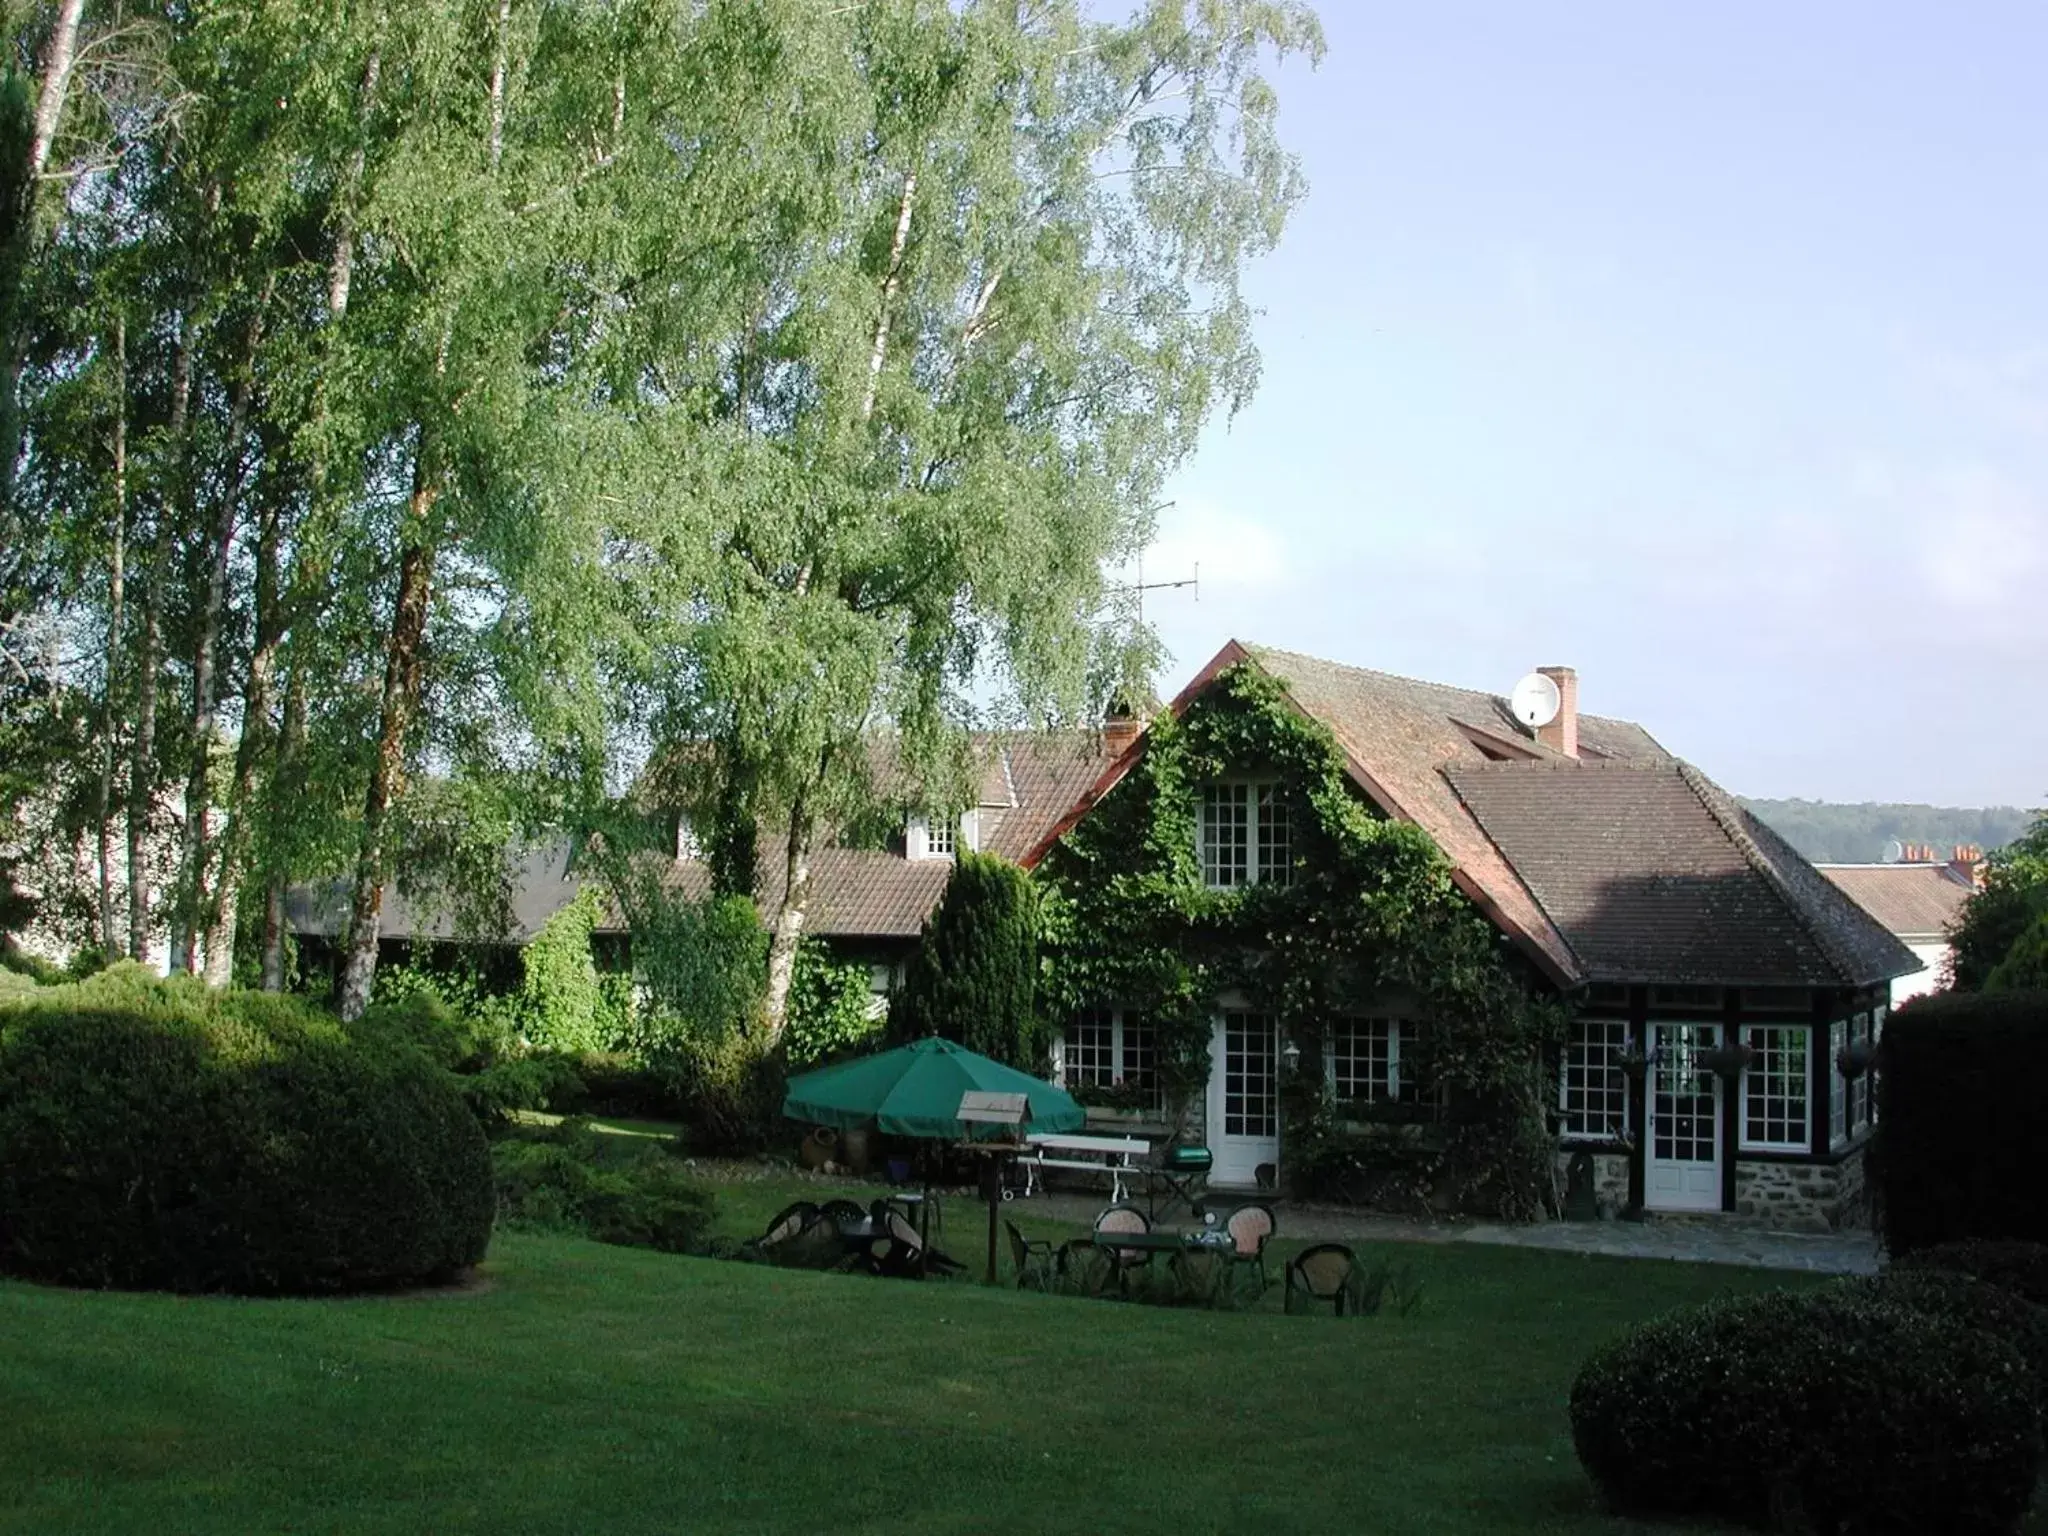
{"x":820,"y":1146}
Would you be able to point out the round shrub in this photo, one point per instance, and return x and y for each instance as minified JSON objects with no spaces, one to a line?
{"x":1840,"y":1405}
{"x":2021,"y":1268}
{"x":566,"y":1180}
{"x":1973,"y":1303}
{"x":241,"y":1145}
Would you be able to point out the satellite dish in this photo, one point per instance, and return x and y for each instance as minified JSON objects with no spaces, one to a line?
{"x":1535,"y":700}
{"x":1894,"y":851}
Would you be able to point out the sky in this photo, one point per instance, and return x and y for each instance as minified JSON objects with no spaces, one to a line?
{"x":1701,"y":348}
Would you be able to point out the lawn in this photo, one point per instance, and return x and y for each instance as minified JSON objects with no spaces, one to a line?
{"x":614,"y":1390}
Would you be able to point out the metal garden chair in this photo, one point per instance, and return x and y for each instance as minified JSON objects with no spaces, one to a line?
{"x":1251,"y":1227}
{"x":1324,"y":1272}
{"x":1031,"y":1257}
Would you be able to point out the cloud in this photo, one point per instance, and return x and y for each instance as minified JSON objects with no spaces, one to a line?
{"x":1233,"y":553}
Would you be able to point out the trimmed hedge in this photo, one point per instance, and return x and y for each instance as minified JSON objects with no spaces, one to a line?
{"x":1975,"y":1303}
{"x":1961,"y":1138}
{"x":1848,"y":1408}
{"x":2021,"y":1268}
{"x":160,"y":1136}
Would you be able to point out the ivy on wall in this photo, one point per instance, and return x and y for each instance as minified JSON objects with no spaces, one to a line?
{"x":1371,"y":923}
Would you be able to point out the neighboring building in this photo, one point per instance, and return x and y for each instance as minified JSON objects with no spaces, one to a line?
{"x":1670,"y":918}
{"x":1916,"y":899}
{"x":869,"y":904}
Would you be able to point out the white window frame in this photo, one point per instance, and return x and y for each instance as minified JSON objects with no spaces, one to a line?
{"x":1760,"y":1084}
{"x":1123,"y":1025}
{"x":1368,"y":1028}
{"x":1863,"y":1025}
{"x":925,"y":838}
{"x":1257,"y":805}
{"x":1601,"y":1056}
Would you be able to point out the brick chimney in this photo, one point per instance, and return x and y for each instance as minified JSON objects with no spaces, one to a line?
{"x":1562,"y":734}
{"x":1968,"y":864}
{"x":1120,"y":727}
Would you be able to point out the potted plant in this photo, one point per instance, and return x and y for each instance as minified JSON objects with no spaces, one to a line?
{"x":1634,"y":1062}
{"x":1730,"y":1060}
{"x":1854,"y":1059}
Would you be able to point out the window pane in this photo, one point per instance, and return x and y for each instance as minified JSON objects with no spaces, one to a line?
{"x":1089,"y":1058}
{"x":1224,"y":813}
{"x":1774,"y":1113}
{"x":1276,"y":843}
{"x":1250,"y":1099}
{"x":1364,"y":1060}
{"x":1838,"y":1086}
{"x":1140,"y":1057}
{"x":1593,"y":1092}
{"x":939,"y":837}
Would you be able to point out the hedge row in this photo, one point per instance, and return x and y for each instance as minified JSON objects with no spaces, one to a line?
{"x":1962,"y":1140}
{"x":1868,"y":1406}
{"x":160,"y":1135}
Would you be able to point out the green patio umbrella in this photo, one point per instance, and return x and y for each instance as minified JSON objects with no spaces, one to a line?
{"x":915,"y":1090}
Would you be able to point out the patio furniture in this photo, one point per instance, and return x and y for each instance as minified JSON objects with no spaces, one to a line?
{"x":1032,"y":1258}
{"x":1185,"y":1173}
{"x":1250,"y":1228}
{"x":1325,"y":1272}
{"x":1116,"y":1156}
{"x":789,"y":1222}
{"x":843,"y":1214}
{"x":1199,"y":1271}
{"x":1084,"y":1266}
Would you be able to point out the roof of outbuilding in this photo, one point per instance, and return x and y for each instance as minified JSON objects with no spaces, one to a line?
{"x":1914,"y":901}
{"x":1027,"y":780}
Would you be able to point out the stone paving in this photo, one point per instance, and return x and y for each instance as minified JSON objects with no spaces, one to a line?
{"x":1708,"y":1239}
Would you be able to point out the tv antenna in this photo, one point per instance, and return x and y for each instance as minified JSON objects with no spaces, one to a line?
{"x":1141,"y":586}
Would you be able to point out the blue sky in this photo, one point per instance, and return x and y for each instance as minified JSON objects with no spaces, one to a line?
{"x":1702,"y":348}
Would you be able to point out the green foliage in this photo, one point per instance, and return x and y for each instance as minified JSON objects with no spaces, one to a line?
{"x":631,"y":1194}
{"x":562,"y":1004}
{"x":1857,"y":834}
{"x":1371,"y":913}
{"x":730,"y":1089}
{"x":1849,"y":1408}
{"x":2025,"y":966}
{"x":2018,"y":1267}
{"x":164,"y":1136}
{"x":703,"y":964}
{"x":2002,"y":915}
{"x":1959,"y":1126}
{"x":831,"y":1008}
{"x":974,"y":977}
{"x":1947,"y":1292}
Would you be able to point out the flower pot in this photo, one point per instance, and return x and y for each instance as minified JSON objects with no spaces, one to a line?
{"x":1727,"y":1060}
{"x":1633,"y":1064}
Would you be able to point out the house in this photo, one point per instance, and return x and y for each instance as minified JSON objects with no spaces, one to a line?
{"x":1916,"y":899}
{"x":1625,"y":890}
{"x":868,"y":903}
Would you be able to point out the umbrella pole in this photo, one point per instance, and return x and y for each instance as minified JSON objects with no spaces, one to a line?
{"x":992,"y":1187}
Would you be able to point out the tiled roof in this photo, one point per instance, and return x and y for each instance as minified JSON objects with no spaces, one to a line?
{"x":1401,"y":735}
{"x":1914,"y":901}
{"x":1027,"y":780}
{"x":1654,"y":875}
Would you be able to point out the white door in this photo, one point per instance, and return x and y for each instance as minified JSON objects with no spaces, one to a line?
{"x":1244,"y":1099}
{"x":1683,"y":1169}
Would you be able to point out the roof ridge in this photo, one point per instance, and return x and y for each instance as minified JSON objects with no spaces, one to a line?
{"x":1499,"y":699}
{"x":1709,"y":793}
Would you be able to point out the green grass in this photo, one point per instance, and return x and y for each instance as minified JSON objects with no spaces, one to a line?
{"x":594,"y":1389}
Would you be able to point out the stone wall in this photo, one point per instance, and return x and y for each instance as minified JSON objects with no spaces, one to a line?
{"x":1610,"y":1178}
{"x":1804,"y":1197}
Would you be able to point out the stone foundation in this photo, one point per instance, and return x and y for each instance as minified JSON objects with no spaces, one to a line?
{"x":1804,"y":1197}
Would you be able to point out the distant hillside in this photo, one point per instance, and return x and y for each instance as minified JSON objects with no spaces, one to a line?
{"x":1856,"y":834}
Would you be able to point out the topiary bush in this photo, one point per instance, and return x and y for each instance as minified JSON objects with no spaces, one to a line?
{"x":1959,"y":1127}
{"x":1959,"y":1297}
{"x":161,"y":1136}
{"x":1844,"y":1407}
{"x":2021,"y":1268}
{"x":974,"y":977}
{"x":632,"y":1194}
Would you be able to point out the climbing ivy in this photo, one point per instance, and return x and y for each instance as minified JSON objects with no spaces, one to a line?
{"x":1371,"y":914}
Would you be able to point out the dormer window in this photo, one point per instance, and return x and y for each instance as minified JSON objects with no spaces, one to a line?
{"x":932,"y":837}
{"x":1246,"y":835}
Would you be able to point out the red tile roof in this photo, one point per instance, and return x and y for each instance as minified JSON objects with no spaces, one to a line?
{"x":1914,"y":901}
